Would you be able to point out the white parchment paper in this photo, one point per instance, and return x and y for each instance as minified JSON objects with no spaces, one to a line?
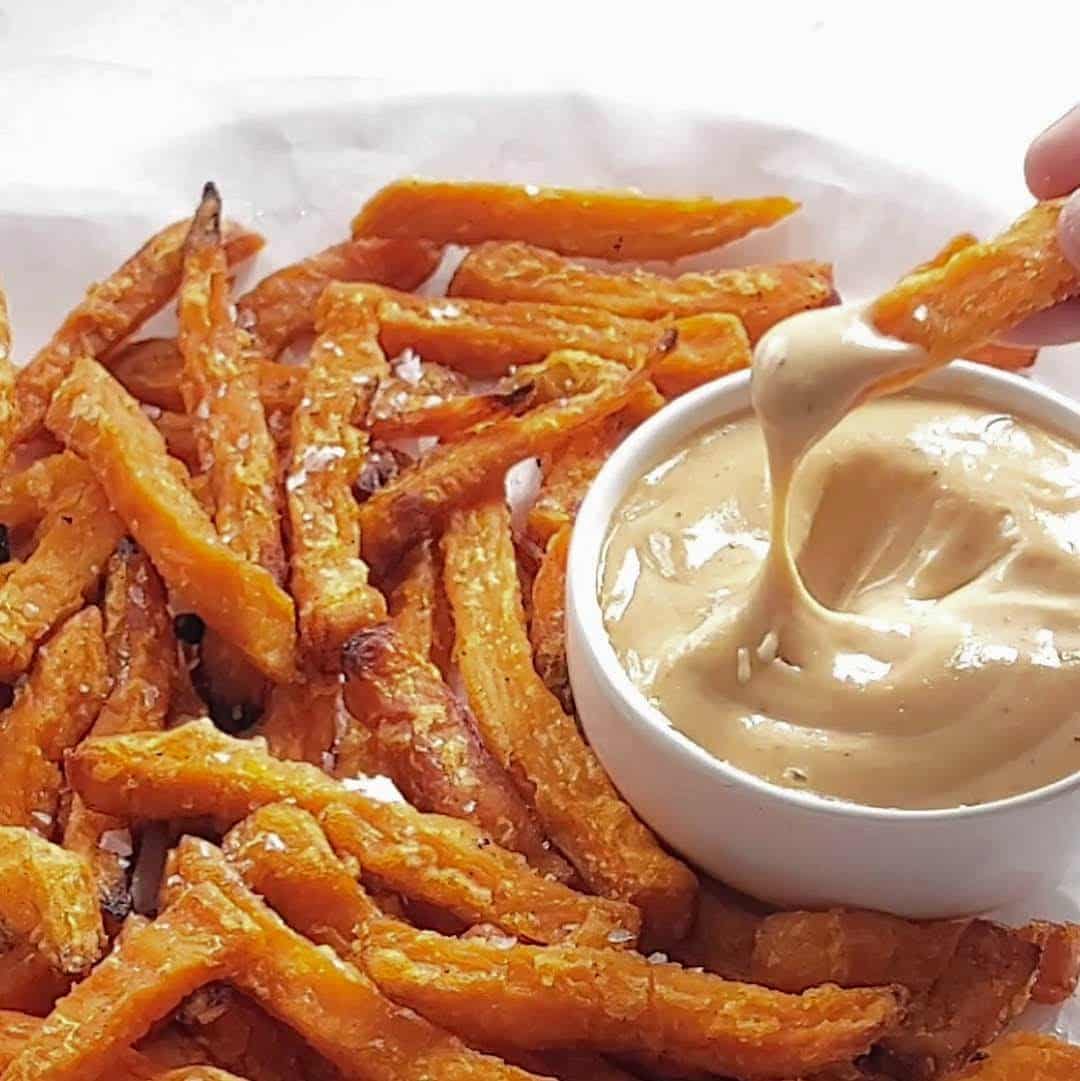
{"x":97,"y":158}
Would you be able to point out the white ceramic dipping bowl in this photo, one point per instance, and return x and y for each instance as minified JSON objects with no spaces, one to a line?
{"x":788,"y":847}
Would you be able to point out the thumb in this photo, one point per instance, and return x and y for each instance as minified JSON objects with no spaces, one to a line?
{"x":1069,"y":229}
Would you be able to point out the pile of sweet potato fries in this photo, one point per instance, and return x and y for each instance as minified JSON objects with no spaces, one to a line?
{"x":251,"y":572}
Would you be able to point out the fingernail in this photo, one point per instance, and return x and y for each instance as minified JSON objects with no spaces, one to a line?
{"x":1069,"y":230}
{"x":1052,"y":164}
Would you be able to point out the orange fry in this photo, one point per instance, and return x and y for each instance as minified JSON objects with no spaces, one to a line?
{"x":417,"y":504}
{"x":220,"y":391}
{"x":28,"y":982}
{"x":485,"y":339}
{"x":1024,"y":1056}
{"x":48,"y":901}
{"x":985,"y":985}
{"x":301,"y":719}
{"x":414,"y":384}
{"x":111,"y":311}
{"x":197,"y":770}
{"x":96,"y":417}
{"x":281,"y":307}
{"x":983,"y":290}
{"x":759,"y":295}
{"x":618,"y":1001}
{"x":52,"y":711}
{"x":1059,"y":963}
{"x":722,"y":937}
{"x":852,"y":948}
{"x":709,"y":346}
{"x":538,"y":744}
{"x":414,"y":599}
{"x":602,"y":224}
{"x":27,"y":496}
{"x":77,"y":537}
{"x":333,"y":1005}
{"x":8,"y":417}
{"x":429,"y":743}
{"x":547,"y":626}
{"x":142,"y":666}
{"x":450,"y":418}
{"x":328,"y":578}
{"x":148,"y":973}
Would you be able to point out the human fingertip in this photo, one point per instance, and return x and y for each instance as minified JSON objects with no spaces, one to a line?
{"x":1069,"y":230}
{"x":1052,"y":163}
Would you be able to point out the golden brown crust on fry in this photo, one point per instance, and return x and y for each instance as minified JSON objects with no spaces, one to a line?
{"x":301,"y":719}
{"x":111,"y":311}
{"x":8,"y":416}
{"x":759,"y":295}
{"x":96,"y":417}
{"x":27,"y":496}
{"x":220,"y":391}
{"x":547,"y":623}
{"x":429,"y":744}
{"x":414,"y":597}
{"x":1024,"y":1056}
{"x":451,"y":418}
{"x":618,"y":1001}
{"x":328,"y":578}
{"x":1059,"y":962}
{"x":527,"y":731}
{"x":709,"y":346}
{"x":196,"y":770}
{"x":52,"y":711}
{"x":983,"y":290}
{"x":281,"y":307}
{"x":603,"y":224}
{"x":48,"y":901}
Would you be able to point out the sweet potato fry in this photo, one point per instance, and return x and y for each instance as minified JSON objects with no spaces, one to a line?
{"x":709,"y":346}
{"x":151,"y":370}
{"x":547,"y":626}
{"x":111,"y":311}
{"x":328,"y":578}
{"x":985,"y":985}
{"x":333,"y":1005}
{"x":538,"y":744}
{"x":852,"y":948}
{"x":982,"y":291}
{"x":722,"y":937}
{"x":197,"y":770}
{"x":485,"y":339}
{"x":220,"y":391}
{"x":1059,"y":963}
{"x":28,"y":982}
{"x":450,"y":418}
{"x":142,"y":666}
{"x":76,"y":540}
{"x":413,"y":599}
{"x":418,"y":503}
{"x":8,"y":418}
{"x":96,"y":417}
{"x":52,"y":711}
{"x":48,"y":901}
{"x":567,"y":1065}
{"x":759,"y":295}
{"x":147,"y":975}
{"x":281,"y":307}
{"x":1024,"y":1056}
{"x":618,"y":1001}
{"x":603,"y":224}
{"x":414,"y":383}
{"x":27,"y":496}
{"x":301,"y":719}
{"x":429,"y":743}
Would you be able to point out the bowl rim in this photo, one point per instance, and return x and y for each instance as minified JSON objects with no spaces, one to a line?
{"x":708,"y":405}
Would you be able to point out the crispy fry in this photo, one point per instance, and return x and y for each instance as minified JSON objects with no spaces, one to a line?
{"x":451,"y":418}
{"x":52,"y":711}
{"x":93,"y":414}
{"x":603,"y":224}
{"x":852,"y":948}
{"x":76,"y":539}
{"x":947,"y":251}
{"x":722,"y":937}
{"x":563,"y":374}
{"x":28,"y":982}
{"x":197,"y":770}
{"x":26,"y":496}
{"x":709,"y":346}
{"x":567,"y":1065}
{"x":333,"y":1005}
{"x":302,"y":718}
{"x":430,"y":745}
{"x":484,"y":339}
{"x":985,"y":985}
{"x":220,"y":391}
{"x":547,"y":626}
{"x":413,"y":599}
{"x":142,"y":665}
{"x":48,"y":901}
{"x":150,"y":370}
{"x":281,"y":307}
{"x":618,"y":1001}
{"x":110,"y":312}
{"x":1059,"y":963}
{"x":328,"y":578}
{"x":413,"y":384}
{"x":982,"y":291}
{"x":418,"y":503}
{"x":283,"y":855}
{"x":759,"y":295}
{"x":1025,"y":1056}
{"x":147,"y":974}
{"x":527,"y":731}
{"x":8,"y":417}
{"x":182,"y":442}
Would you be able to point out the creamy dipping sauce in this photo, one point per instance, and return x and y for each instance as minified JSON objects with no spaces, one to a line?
{"x":895,"y":620}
